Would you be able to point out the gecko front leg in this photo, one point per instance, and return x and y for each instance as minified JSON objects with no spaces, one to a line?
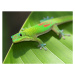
{"x":41,"y":44}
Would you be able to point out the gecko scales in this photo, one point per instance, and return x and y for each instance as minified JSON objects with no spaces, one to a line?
{"x":47,"y":24}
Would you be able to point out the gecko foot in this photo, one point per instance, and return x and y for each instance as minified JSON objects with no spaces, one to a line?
{"x":42,"y":46}
{"x":62,"y":34}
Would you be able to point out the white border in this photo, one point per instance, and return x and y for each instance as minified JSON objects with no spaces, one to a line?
{"x":33,"y":5}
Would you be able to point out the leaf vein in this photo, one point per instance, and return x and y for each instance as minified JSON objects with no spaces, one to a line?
{"x":55,"y":55}
{"x":37,"y":57}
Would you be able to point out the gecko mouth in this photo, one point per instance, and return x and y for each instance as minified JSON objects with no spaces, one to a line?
{"x":15,"y":38}
{"x":20,"y":39}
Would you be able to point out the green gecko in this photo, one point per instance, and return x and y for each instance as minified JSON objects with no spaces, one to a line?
{"x":47,"y":24}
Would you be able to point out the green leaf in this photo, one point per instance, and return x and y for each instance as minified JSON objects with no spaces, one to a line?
{"x":59,"y":51}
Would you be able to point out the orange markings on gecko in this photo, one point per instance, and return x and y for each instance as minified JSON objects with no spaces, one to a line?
{"x":46,"y":25}
{"x":14,"y":36}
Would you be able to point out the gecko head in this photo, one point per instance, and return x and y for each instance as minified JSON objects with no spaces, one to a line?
{"x":21,"y":36}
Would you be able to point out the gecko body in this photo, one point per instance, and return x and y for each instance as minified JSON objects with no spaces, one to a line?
{"x":32,"y":33}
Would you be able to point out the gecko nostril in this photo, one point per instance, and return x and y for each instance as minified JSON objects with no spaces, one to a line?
{"x":11,"y":36}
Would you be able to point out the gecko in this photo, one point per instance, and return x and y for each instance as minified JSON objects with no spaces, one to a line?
{"x":45,"y":25}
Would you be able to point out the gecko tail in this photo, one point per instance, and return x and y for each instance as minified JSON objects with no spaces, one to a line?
{"x":63,"y":19}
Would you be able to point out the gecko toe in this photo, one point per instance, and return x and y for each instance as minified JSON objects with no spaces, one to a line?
{"x":63,"y":37}
{"x":67,"y":35}
{"x":42,"y":46}
{"x":45,"y":49}
{"x":62,"y":34}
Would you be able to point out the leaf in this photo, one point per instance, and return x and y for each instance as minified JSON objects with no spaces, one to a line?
{"x":59,"y":51}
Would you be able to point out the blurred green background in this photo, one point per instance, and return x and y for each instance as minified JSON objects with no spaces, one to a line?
{"x":12,"y":22}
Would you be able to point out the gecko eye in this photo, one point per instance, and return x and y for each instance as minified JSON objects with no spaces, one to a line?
{"x":20,"y":34}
